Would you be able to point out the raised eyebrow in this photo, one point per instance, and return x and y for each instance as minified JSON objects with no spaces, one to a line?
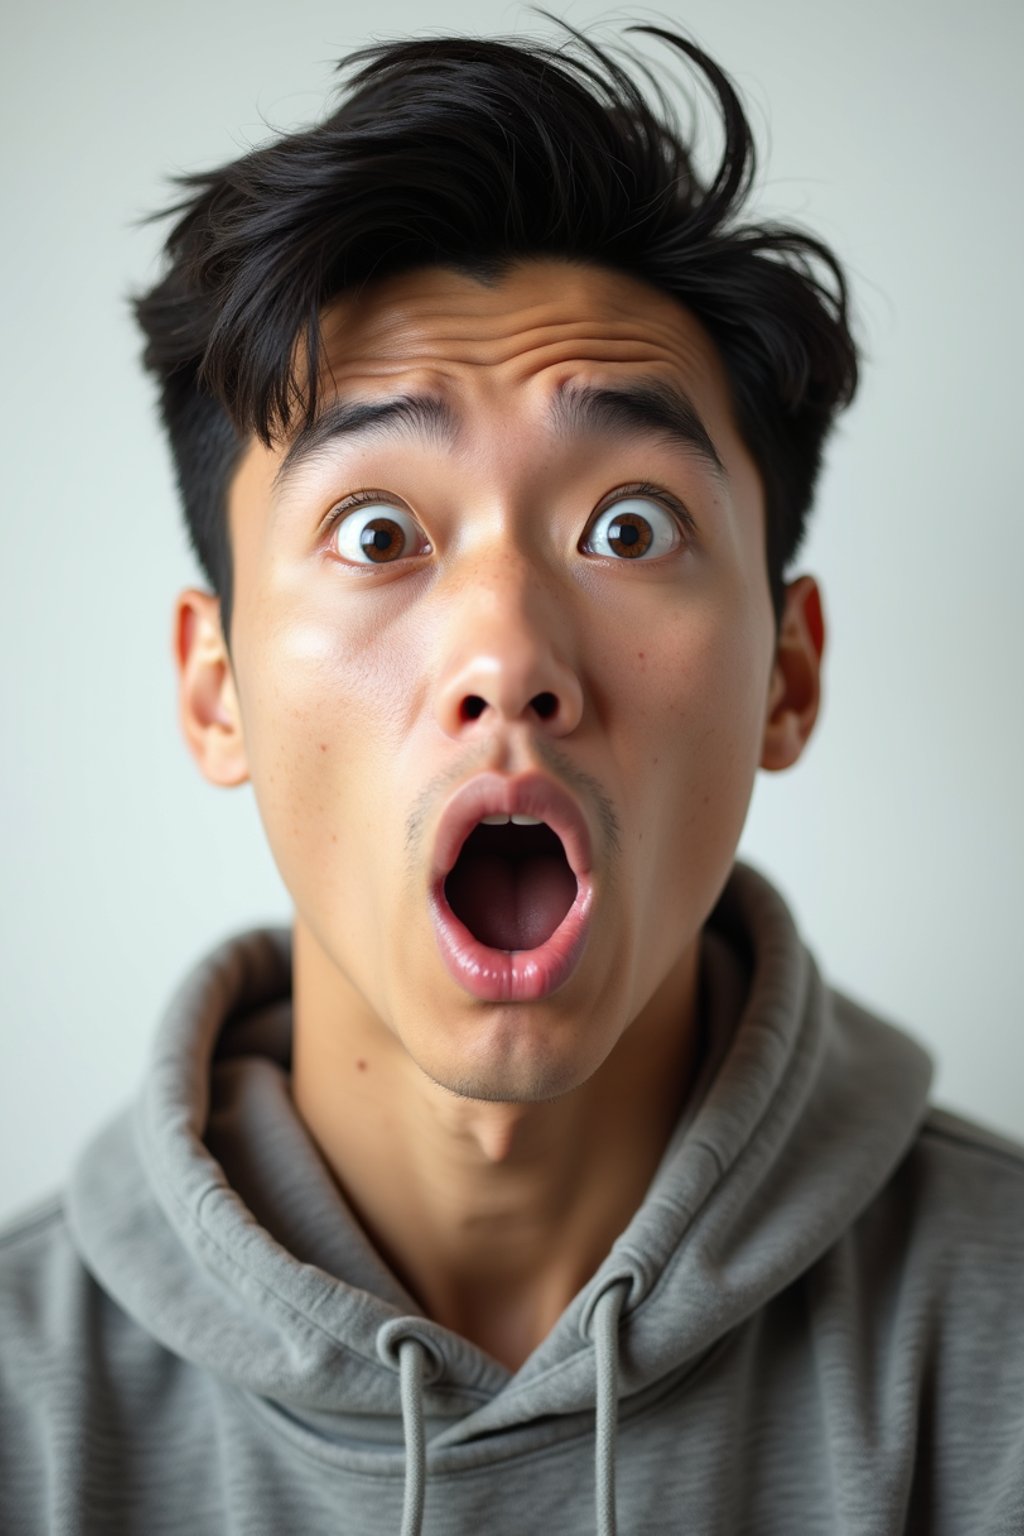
{"x":426,"y":415}
{"x":649,"y":406}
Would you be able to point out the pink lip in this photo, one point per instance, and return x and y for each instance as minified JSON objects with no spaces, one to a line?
{"x":499,"y":975}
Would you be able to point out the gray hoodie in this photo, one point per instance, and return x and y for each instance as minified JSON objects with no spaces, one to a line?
{"x":813,"y":1323}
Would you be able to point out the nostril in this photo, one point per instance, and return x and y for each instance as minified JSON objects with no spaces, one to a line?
{"x":473,"y":706}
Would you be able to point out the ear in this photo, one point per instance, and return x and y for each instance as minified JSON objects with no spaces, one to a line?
{"x":207,"y":701}
{"x":794,"y":695}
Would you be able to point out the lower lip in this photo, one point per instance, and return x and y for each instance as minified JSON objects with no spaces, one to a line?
{"x":513,"y":975}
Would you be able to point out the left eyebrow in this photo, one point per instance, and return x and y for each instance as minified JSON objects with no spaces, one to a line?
{"x":648,"y":406}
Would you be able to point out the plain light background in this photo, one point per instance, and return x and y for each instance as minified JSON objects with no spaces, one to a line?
{"x":892,"y":129}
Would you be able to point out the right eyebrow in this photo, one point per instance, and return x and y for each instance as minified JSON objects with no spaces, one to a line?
{"x":424,"y":415}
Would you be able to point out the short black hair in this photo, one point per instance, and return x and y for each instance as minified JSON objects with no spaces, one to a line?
{"x":475,"y":153}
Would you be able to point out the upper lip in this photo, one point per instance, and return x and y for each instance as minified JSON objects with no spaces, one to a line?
{"x":529,"y":794}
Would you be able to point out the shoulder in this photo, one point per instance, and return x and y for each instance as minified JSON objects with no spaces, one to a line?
{"x":958,"y":1183}
{"x":969,"y":1178}
{"x":81,"y":1384}
{"x":63,"y":1338}
{"x":942,"y":1247}
{"x":37,"y":1259}
{"x":46,"y":1298}
{"x":956,"y":1199}
{"x":966,"y":1144}
{"x":59,"y":1327}
{"x":965,"y":1184}
{"x":917,"y":1310}
{"x":49,"y":1305}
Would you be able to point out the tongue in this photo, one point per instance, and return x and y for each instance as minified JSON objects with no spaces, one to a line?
{"x":511,"y":905}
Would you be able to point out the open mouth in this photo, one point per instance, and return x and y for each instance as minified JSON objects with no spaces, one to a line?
{"x":512,"y":891}
{"x":511,"y":885}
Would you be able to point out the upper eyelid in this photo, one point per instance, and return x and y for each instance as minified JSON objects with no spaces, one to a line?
{"x":367,"y":498}
{"x":646,"y":491}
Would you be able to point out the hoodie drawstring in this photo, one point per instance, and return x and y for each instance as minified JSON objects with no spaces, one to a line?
{"x":603,"y":1325}
{"x":418,"y":1362}
{"x":415,"y":1358}
{"x":411,"y":1365}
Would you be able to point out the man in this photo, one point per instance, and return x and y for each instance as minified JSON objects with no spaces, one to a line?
{"x":535,"y":1179}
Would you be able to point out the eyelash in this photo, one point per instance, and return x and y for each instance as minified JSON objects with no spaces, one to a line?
{"x":357,"y":499}
{"x":641,"y":488}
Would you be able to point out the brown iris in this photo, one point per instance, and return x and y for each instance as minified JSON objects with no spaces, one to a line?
{"x":630,"y":535}
{"x":382,"y":540}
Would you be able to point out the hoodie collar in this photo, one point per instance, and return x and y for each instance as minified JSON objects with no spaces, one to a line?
{"x":210,"y":1217}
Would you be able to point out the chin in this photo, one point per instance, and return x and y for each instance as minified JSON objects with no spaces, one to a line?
{"x":514,"y":1072}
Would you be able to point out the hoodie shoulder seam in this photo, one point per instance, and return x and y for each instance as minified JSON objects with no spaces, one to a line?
{"x":49,"y":1212}
{"x":954,"y":1130}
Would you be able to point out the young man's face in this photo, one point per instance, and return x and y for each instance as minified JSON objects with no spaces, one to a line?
{"x":519,"y":582}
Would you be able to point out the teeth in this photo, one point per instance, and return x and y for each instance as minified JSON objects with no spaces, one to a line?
{"x":517,"y":821}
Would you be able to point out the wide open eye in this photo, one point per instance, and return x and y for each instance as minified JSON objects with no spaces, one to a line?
{"x":376,"y":532}
{"x":633,"y":528}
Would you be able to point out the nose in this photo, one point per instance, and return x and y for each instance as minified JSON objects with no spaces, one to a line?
{"x":506,"y":653}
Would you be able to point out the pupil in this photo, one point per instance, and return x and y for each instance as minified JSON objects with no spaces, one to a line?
{"x":381,"y":540}
{"x":626,"y":533}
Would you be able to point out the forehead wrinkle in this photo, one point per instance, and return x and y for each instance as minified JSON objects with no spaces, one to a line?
{"x":438,"y":317}
{"x":450,"y":338}
{"x":532,"y":349}
{"x":390,"y":342}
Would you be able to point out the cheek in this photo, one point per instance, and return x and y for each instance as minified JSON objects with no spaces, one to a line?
{"x":697,"y":726}
{"x":698,"y":688}
{"x":323,"y":702}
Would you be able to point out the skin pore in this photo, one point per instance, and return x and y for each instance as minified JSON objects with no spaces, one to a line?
{"x":493,"y":1150}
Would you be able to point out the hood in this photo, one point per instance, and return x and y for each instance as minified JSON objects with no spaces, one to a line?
{"x":207,"y":1213}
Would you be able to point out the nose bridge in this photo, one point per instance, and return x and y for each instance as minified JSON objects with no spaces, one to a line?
{"x":508,"y":650}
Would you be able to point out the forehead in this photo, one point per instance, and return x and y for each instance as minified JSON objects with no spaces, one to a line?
{"x":485,"y":368}
{"x":490,"y":363}
{"x":540,"y":325}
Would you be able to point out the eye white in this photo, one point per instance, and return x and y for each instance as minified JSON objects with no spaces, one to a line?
{"x":351,"y":530}
{"x":664,"y":529}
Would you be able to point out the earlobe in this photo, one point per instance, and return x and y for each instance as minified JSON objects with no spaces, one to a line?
{"x":207,"y":700}
{"x":795,"y":692}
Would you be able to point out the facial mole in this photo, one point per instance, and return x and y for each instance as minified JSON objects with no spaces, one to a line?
{"x":360,"y":1065}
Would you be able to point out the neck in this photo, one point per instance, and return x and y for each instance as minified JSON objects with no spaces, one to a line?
{"x":493,"y":1215}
